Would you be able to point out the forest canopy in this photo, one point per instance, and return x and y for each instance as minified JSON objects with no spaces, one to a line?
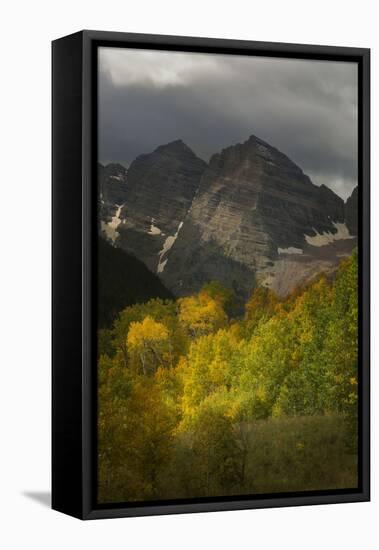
{"x":196,"y":402}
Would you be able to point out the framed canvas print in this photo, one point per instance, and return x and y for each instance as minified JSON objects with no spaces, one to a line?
{"x":210,"y":275}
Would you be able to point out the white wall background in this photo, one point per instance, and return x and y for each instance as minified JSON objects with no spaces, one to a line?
{"x":27,"y":29}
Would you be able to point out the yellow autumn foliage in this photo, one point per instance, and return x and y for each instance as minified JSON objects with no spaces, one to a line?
{"x":146,"y":331}
{"x":183,"y":384}
{"x":201,"y":313}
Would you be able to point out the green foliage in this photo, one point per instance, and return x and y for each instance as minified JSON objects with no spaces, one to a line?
{"x":195,"y":403}
{"x":216,"y":450}
{"x":136,"y":441}
{"x":261,"y":306}
{"x":225,"y":296}
{"x":208,"y":368}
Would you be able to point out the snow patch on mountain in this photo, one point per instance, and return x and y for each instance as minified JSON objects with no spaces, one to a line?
{"x":290,"y":250}
{"x":110,"y":228}
{"x":167,"y":245}
{"x":322,"y":239}
{"x":154,"y":230}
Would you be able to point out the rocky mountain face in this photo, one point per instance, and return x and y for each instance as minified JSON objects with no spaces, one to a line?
{"x":351,"y":212}
{"x":250,"y":216}
{"x":159,"y":192}
{"x":111,"y":195}
{"x":112,"y":184}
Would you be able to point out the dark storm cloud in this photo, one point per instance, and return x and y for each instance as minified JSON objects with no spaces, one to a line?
{"x":307,"y":109}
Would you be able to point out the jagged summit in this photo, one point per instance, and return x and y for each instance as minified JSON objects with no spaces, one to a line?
{"x":160,"y":189}
{"x":257,"y":151}
{"x":115,"y":168}
{"x":249,"y":215}
{"x":173,"y":148}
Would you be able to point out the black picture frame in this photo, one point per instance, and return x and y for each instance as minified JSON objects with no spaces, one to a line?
{"x":74,"y":152}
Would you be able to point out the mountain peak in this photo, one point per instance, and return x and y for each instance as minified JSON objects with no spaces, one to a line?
{"x":250,"y":215}
{"x":325,"y":190}
{"x":255,"y":152}
{"x":115,"y":167}
{"x":257,"y":140}
{"x":175,"y":147}
{"x":160,"y":189}
{"x":353,"y":195}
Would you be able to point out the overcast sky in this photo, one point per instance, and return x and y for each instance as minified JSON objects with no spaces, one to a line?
{"x":307,"y":109}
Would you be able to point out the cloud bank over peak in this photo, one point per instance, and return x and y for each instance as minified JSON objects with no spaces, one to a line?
{"x":306,"y":108}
